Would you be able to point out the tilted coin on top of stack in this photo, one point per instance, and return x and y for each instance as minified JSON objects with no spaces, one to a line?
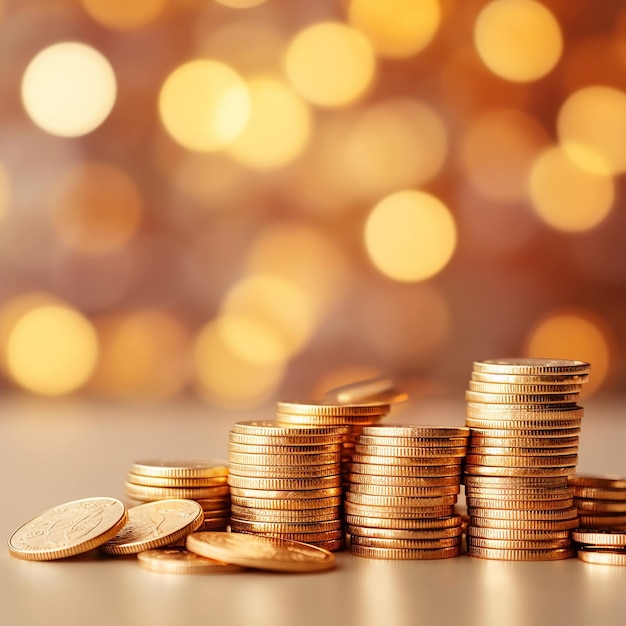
{"x":285,"y":481}
{"x":600,"y":500}
{"x":403,"y":487}
{"x":523,"y":446}
{"x":204,"y":481}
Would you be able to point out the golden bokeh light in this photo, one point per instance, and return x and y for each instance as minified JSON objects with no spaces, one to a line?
{"x":396,"y":28}
{"x":5,"y":192}
{"x":97,"y":208}
{"x":278,"y":304}
{"x":278,"y":129}
{"x":69,"y":89}
{"x":240,"y":4}
{"x":595,"y":117}
{"x":330,"y":64}
{"x":226,"y":379}
{"x":575,"y":334}
{"x":122,"y":14}
{"x":204,"y":105}
{"x":497,"y":152}
{"x":143,"y":355}
{"x":518,"y":40}
{"x":410,"y":236}
{"x":52,"y":350}
{"x":394,"y":145}
{"x":565,"y":195}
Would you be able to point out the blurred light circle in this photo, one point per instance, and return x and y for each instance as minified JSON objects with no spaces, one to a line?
{"x":330,"y":64}
{"x":5,"y":192}
{"x":410,"y":236}
{"x":97,"y":208}
{"x":278,"y":129}
{"x":240,"y":4}
{"x":69,"y":89}
{"x":574,"y":334}
{"x":396,"y":28}
{"x":52,"y":350}
{"x":567,"y":196}
{"x":204,"y":105}
{"x":124,"y":14}
{"x":518,"y":40}
{"x":596,"y":118}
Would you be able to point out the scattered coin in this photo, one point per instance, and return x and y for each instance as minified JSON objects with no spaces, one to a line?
{"x":182,"y":561}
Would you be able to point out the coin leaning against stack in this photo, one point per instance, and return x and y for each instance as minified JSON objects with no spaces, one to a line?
{"x":285,"y":481}
{"x":204,"y":481}
{"x":600,"y":500}
{"x":525,"y":423}
{"x":402,"y":490}
{"x":354,"y":416}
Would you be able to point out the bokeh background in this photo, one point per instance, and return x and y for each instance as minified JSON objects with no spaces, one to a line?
{"x":247,"y":200}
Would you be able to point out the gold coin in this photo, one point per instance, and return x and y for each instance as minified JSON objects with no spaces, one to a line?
{"x":68,"y":529}
{"x":409,"y":452}
{"x":525,"y":412}
{"x":211,"y":504}
{"x":397,"y":512}
{"x":553,"y":554}
{"x":331,"y":410}
{"x":531,"y":366}
{"x":530,"y":379}
{"x":609,"y":520}
{"x":404,"y":554}
{"x":524,"y":388}
{"x":287,"y":494}
{"x":411,"y":461}
{"x":283,"y":459}
{"x":148,"y":494}
{"x":522,"y":461}
{"x":596,"y":493}
{"x":523,"y":514}
{"x":532,"y":432}
{"x":290,"y":484}
{"x":603,"y":482}
{"x":505,"y":544}
{"x":287,"y":516}
{"x":600,"y":506}
{"x":400,"y":502}
{"x":599,"y":556}
{"x":332,"y":545}
{"x":285,"y":471}
{"x":520,"y":505}
{"x":539,"y":495}
{"x":287,"y":527}
{"x":419,"y":431}
{"x":406,"y":544}
{"x":260,"y":552}
{"x":517,"y":452}
{"x":524,"y":442}
{"x":413,"y":442}
{"x":405,"y":491}
{"x":414,"y":535}
{"x":606,"y":538}
{"x":284,"y":440}
{"x":486,"y":470}
{"x":155,"y":524}
{"x":378,"y":390}
{"x":425,"y":482}
{"x":311,"y":538}
{"x":512,"y":424}
{"x":325,"y":420}
{"x":508,"y":524}
{"x":287,"y":504}
{"x":516,"y":482}
{"x":216,"y":524}
{"x":531,"y":399}
{"x":273,"y":428}
{"x":162,"y":481}
{"x":505,"y":534}
{"x":180,"y":469}
{"x":181,"y":561}
{"x":407,"y":471}
{"x":393,"y":523}
{"x":284,"y":449}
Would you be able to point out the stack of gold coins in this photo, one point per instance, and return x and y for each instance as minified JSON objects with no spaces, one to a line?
{"x":354,"y":416}
{"x":600,"y":500}
{"x":603,"y":547}
{"x":285,"y":482}
{"x":403,"y":487}
{"x":203,"y":481}
{"x":524,"y":422}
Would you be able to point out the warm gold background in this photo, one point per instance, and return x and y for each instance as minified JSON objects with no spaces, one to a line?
{"x":212,"y":231}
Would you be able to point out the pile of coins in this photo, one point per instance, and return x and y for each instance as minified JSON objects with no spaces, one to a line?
{"x":525,"y":423}
{"x":202,"y":481}
{"x":403,"y":486}
{"x":354,"y":415}
{"x":285,"y":481}
{"x":600,"y":500}
{"x":602,"y":547}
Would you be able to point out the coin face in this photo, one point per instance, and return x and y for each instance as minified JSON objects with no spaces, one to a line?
{"x":68,"y":529}
{"x":155,"y":524}
{"x":260,"y":552}
{"x":181,"y":561}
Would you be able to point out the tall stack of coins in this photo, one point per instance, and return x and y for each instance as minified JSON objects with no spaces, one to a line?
{"x":602,"y":547}
{"x":355,"y":416}
{"x":285,"y":481}
{"x":403,"y":487}
{"x":524,"y":423}
{"x":600,"y":500}
{"x":203,"y":481}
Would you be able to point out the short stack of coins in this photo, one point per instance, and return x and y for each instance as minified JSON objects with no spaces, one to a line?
{"x":403,"y":487}
{"x":601,"y":547}
{"x":600,"y":500}
{"x":353,"y":415}
{"x":525,"y":424}
{"x":285,"y":482}
{"x":203,"y":481}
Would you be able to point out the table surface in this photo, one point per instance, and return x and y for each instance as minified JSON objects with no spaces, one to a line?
{"x":54,"y":452}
